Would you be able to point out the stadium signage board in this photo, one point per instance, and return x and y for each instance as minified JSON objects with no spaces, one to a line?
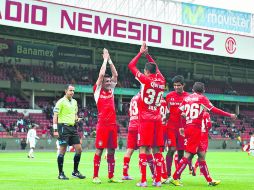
{"x":5,"y":47}
{"x":68,"y":20}
{"x":71,"y":54}
{"x":216,"y":18}
{"x":33,"y":51}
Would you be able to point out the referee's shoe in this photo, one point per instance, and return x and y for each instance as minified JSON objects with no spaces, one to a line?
{"x":62,"y":176}
{"x":77,"y":174}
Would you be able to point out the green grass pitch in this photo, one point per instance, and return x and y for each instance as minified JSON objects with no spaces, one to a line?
{"x":17,"y":172}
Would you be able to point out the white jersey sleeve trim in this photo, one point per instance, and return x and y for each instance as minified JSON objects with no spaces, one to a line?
{"x":97,"y":93}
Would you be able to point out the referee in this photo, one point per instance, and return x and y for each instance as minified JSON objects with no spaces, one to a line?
{"x":65,"y":128}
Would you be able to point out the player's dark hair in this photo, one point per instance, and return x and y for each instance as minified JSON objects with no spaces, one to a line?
{"x":151,"y":67}
{"x":178,"y":78}
{"x":106,"y":76}
{"x":198,"y":87}
{"x":67,"y":86}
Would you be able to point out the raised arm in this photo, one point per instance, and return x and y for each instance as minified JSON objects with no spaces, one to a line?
{"x":150,"y":59}
{"x":132,"y":65}
{"x":113,"y":70}
{"x":105,"y":56}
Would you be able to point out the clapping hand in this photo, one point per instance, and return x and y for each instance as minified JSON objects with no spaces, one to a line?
{"x":143,"y":48}
{"x":105,"y":54}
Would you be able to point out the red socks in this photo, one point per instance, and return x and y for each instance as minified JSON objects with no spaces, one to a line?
{"x":126,"y":161}
{"x":164,"y":173}
{"x":96,"y":165}
{"x":142,"y":166}
{"x":111,"y":165}
{"x":176,"y":160}
{"x":180,"y":168}
{"x":204,"y":170}
{"x":158,"y":159}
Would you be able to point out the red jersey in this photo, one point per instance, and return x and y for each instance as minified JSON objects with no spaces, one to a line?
{"x":193,"y":106}
{"x":206,"y":123}
{"x":152,"y":89}
{"x":164,"y":111}
{"x":105,"y":105}
{"x":133,"y":112}
{"x":174,"y":100}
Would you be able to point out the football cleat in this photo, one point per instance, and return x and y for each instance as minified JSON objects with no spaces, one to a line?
{"x":62,"y":176}
{"x":77,"y":174}
{"x":127,"y":177}
{"x":176,"y":182}
{"x":157,"y":184}
{"x":214,"y":182}
{"x":96,"y":180}
{"x":139,"y":184}
{"x":112,"y":180}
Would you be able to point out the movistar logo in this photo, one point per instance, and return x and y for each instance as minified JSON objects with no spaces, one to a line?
{"x":193,"y":14}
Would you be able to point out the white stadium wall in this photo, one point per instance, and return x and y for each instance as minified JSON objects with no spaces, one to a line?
{"x":87,"y":23}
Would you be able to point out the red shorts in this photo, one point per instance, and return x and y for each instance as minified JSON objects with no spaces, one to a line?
{"x":203,"y":146}
{"x":150,"y":133}
{"x":192,"y":138}
{"x":174,"y":139}
{"x":106,"y":137}
{"x":132,"y":139}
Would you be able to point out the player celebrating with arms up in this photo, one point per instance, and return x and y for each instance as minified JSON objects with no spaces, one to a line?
{"x":150,"y":129}
{"x":106,"y":129}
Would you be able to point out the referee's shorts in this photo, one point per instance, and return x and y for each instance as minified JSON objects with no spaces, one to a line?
{"x":68,"y":134}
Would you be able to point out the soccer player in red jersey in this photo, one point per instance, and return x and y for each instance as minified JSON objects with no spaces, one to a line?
{"x":132,"y":139}
{"x":192,"y":109}
{"x":203,"y":147}
{"x":106,"y":129}
{"x":164,"y":115}
{"x":175,"y":141}
{"x":150,"y":132}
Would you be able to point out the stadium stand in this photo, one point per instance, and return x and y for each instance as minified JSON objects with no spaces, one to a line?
{"x":84,"y":76}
